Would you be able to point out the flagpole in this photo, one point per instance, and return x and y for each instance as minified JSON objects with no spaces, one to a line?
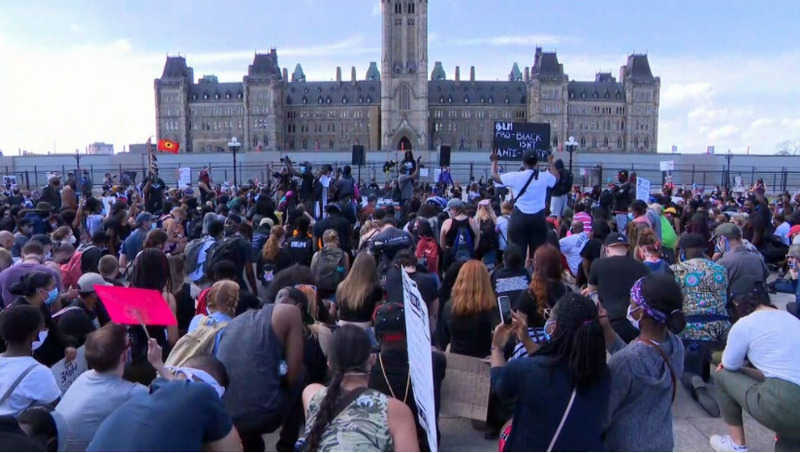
{"x":149,"y":158}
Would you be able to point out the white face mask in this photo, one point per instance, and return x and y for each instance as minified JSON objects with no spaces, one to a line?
{"x":72,"y":240}
{"x":38,"y":343}
{"x":634,"y":322}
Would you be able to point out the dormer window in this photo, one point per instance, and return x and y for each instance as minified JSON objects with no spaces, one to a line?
{"x":194,"y":97}
{"x":205,"y":97}
{"x":344,"y":100}
{"x":466,"y":99}
{"x":216,"y":96}
{"x":319,"y":101}
{"x":239,"y":95}
{"x":441,"y":99}
{"x":506,"y":100}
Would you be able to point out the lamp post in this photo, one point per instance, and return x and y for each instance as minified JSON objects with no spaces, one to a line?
{"x":571,"y":144}
{"x":234,"y":146}
{"x":728,"y":157}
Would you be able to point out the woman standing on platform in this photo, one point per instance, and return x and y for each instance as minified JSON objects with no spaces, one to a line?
{"x":528,"y":225}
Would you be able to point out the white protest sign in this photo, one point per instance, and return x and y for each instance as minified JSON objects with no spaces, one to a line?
{"x":66,"y":372}
{"x":420,"y":360}
{"x":667,"y":165}
{"x":107,"y":203}
{"x":643,"y":189}
{"x":184,"y":176}
{"x":423,"y":172}
{"x":437,"y":173}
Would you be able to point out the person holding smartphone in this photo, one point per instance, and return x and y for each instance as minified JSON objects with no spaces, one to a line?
{"x":528,"y":225}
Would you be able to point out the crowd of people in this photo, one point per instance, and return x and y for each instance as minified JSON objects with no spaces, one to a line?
{"x":290,"y":310}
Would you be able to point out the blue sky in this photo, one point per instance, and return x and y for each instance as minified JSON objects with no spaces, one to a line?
{"x":75,"y":72}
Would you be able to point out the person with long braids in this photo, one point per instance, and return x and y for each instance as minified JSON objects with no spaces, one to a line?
{"x":348,"y":415}
{"x":646,"y":371}
{"x":571,"y":366}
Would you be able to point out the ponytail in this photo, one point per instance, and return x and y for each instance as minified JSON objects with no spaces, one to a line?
{"x":29,"y":283}
{"x":272,"y":246}
{"x":325,"y":412}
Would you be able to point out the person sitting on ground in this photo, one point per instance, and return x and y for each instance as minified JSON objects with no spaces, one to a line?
{"x":571,"y":247}
{"x":134,"y":243}
{"x":32,"y":258}
{"x":263,"y":353}
{"x":301,"y":245}
{"x":108,"y":268}
{"x":37,"y":428}
{"x":426,"y":282}
{"x":390,"y":375}
{"x":744,"y":267}
{"x":571,"y":366}
{"x":759,"y":372}
{"x":314,"y":359}
{"x":512,"y":278}
{"x":274,"y":257}
{"x":25,"y":381}
{"x":96,"y":393}
{"x":182,"y":412}
{"x":6,"y":260}
{"x":389,"y":424}
{"x":645,"y":372}
{"x":221,"y":302}
{"x":612,"y":277}
{"x":330,"y":264}
{"x":359,"y":293}
{"x":470,"y":313}
{"x":86,"y":314}
{"x":648,"y":251}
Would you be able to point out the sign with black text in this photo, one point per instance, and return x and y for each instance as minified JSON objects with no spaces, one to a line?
{"x":66,"y":372}
{"x":511,"y":140}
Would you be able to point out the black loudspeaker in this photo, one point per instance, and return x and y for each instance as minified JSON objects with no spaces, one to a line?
{"x":444,"y":156}
{"x":359,"y":156}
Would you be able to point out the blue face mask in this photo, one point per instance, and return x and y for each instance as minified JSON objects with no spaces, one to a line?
{"x":51,"y":296}
{"x":152,"y":226}
{"x":630,"y":216}
{"x":683,"y":256}
{"x":547,"y":335}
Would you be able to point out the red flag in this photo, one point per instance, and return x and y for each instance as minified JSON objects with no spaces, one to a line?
{"x":168,"y":146}
{"x":134,"y":306}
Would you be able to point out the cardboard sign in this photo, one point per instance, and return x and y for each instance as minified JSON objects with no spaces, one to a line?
{"x":135,"y":306}
{"x":511,"y":140}
{"x":67,"y":372}
{"x":643,"y":189}
{"x":184,"y":176}
{"x":420,"y":357}
{"x":107,"y":203}
{"x":666,"y":165}
{"x":466,"y":386}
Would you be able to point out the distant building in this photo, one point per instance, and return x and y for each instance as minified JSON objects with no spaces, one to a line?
{"x":400,"y":107}
{"x":100,"y":148}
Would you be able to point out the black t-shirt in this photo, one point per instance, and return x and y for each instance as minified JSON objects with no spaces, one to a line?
{"x":614,"y":276}
{"x":338,"y":224}
{"x":154,"y":198}
{"x":529,"y":305}
{"x":510,"y":282}
{"x":468,"y":334}
{"x":78,"y":322}
{"x":90,"y":258}
{"x":592,"y":250}
{"x":394,"y":363}
{"x":13,"y":438}
{"x":300,"y":250}
{"x":365,"y":311}
{"x":426,"y":283}
{"x":307,"y":186}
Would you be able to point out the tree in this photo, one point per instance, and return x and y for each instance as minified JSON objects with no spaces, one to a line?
{"x":788,"y":148}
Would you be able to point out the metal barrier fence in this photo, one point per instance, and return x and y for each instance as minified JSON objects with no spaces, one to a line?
{"x":462,"y":172}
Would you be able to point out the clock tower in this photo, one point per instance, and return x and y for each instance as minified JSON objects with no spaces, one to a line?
{"x":404,"y":69}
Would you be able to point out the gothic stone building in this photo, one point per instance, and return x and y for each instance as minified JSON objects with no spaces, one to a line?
{"x":401,"y":106}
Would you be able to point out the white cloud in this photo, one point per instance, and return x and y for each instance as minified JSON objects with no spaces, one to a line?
{"x":677,"y":93}
{"x":511,"y":40}
{"x":376,"y":10}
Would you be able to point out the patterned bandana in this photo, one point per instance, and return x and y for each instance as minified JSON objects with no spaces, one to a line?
{"x":638,"y":299}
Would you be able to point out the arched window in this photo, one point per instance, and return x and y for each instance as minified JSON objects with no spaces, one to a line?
{"x":333,"y":127}
{"x":405,"y":98}
{"x":397,"y":8}
{"x":305,"y":143}
{"x":265,"y":140}
{"x":594,"y":142}
{"x":555,"y":141}
{"x":636,"y":142}
{"x":583,"y":141}
{"x":411,"y":8}
{"x":330,"y":144}
{"x":605,"y":142}
{"x":646,"y":142}
{"x":619,"y":143}
{"x":255,"y":141}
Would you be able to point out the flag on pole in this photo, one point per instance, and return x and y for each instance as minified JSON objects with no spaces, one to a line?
{"x":168,"y":146}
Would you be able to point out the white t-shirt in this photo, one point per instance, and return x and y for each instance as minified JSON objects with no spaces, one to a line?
{"x":533,"y":200}
{"x":571,"y":248}
{"x":770,"y":339}
{"x":38,"y":387}
{"x":502,"y":228}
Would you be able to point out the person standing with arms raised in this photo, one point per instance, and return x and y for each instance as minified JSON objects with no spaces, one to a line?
{"x":528,"y":226}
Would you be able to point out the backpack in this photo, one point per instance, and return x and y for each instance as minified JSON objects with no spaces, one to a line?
{"x":222,"y":250}
{"x":198,"y":342}
{"x":192,"y":254}
{"x":329,"y":271}
{"x":462,"y":246}
{"x":71,"y":271}
{"x":564,"y":184}
{"x":427,"y":254}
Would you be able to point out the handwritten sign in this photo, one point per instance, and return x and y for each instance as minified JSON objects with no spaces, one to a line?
{"x":67,"y":372}
{"x":511,"y":140}
{"x":466,"y":386}
{"x":134,"y":306}
{"x":667,"y":165}
{"x":643,"y":189}
{"x":184,"y":176}
{"x":420,"y":359}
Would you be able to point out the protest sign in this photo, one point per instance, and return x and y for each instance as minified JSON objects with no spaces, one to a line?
{"x":511,"y":140}
{"x":466,"y":386}
{"x":184,"y":176}
{"x":643,"y":189}
{"x":420,"y":360}
{"x":107,"y":203}
{"x":66,"y":372}
{"x":135,"y":306}
{"x":667,"y":165}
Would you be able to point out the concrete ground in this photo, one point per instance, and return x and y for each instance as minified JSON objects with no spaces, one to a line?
{"x":692,"y":427}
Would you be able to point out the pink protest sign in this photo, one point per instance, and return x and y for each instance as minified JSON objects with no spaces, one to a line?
{"x":136,"y":306}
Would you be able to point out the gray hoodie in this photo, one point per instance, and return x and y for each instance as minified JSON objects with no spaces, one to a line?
{"x":640,"y":404}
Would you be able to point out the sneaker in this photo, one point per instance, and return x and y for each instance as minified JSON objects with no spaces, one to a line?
{"x":725,"y":443}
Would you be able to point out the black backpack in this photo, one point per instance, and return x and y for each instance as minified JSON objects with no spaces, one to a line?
{"x":222,"y":250}
{"x":330,"y":268}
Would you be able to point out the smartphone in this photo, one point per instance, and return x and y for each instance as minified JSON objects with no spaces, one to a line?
{"x":595,"y":297}
{"x":504,"y":305}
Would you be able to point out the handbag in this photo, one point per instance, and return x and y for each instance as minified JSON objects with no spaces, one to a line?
{"x":505,"y":432}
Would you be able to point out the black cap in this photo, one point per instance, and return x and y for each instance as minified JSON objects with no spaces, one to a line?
{"x":390,"y":319}
{"x":616,"y":239}
{"x":530,"y":158}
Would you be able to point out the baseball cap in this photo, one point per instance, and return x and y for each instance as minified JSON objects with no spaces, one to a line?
{"x":727,"y":229}
{"x":89,"y":280}
{"x":267,"y":221}
{"x":454,"y":203}
{"x":143,"y":217}
{"x":671,"y":210}
{"x":390,"y":321}
{"x":616,"y":239}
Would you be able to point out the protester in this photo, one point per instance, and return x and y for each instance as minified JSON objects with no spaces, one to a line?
{"x":330,"y":264}
{"x":470,"y":313}
{"x":301,"y":246}
{"x":572,"y":245}
{"x":134,"y":243}
{"x":769,"y":389}
{"x":527,"y":227}
{"x":571,"y":366}
{"x":459,"y":236}
{"x":645,"y":372}
{"x":275,"y":257}
{"x":25,"y":381}
{"x":347,"y":415}
{"x":32,"y":258}
{"x":221,"y":302}
{"x":359,"y":293}
{"x":744,"y":267}
{"x":86,"y":314}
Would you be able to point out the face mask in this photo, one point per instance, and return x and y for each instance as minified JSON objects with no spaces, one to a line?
{"x":38,"y":343}
{"x":630,"y":216}
{"x":201,"y":376}
{"x":547,"y":335}
{"x":683,"y":256}
{"x":72,"y":240}
{"x":634,"y":322}
{"x":51,"y":296}
{"x":152,"y":226}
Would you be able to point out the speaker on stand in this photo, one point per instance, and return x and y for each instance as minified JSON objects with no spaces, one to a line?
{"x":444,"y":156}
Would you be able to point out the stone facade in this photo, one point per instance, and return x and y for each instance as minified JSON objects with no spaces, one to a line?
{"x":400,"y":106}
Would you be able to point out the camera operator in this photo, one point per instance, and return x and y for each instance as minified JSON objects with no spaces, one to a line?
{"x":528,"y":226}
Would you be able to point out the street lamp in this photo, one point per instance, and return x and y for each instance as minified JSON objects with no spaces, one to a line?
{"x":571,"y":146}
{"x":728,"y":157}
{"x":234,"y":146}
